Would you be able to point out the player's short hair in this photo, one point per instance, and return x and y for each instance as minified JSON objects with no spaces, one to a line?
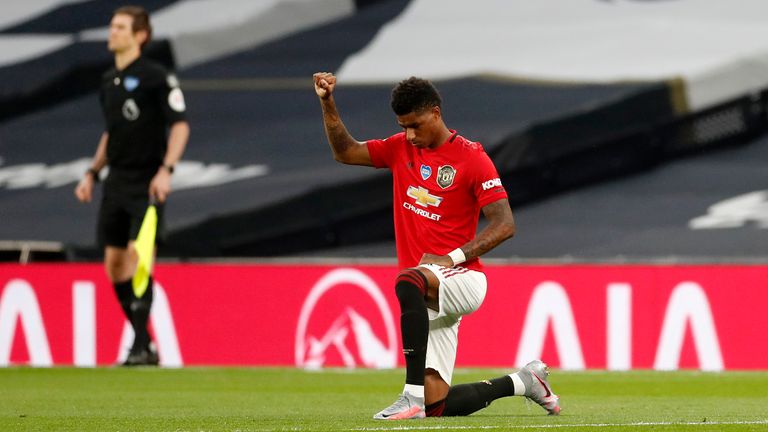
{"x":140,"y":19}
{"x":414,"y":95}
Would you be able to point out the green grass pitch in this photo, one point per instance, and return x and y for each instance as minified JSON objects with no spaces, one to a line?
{"x":284,"y":399}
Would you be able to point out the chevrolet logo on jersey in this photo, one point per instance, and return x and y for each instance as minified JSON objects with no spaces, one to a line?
{"x":423,"y":197}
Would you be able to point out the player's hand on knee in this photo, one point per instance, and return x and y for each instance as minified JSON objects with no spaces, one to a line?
{"x":443,"y":260}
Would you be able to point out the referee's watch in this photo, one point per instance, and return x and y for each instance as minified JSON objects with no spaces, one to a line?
{"x":94,"y":173}
{"x":169,"y":168}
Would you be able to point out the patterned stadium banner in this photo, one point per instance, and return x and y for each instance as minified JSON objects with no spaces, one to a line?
{"x":708,"y":317}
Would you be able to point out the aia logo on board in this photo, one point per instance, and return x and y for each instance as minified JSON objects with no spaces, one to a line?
{"x":346,"y":321}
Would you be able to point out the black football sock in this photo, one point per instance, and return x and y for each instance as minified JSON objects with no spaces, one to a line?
{"x":140,"y":308}
{"x":435,"y":409}
{"x":124,"y":291}
{"x":411,"y":287}
{"x":464,"y":399}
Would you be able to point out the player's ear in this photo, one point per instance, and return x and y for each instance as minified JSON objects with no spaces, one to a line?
{"x":436,"y":112}
{"x":141,"y":37}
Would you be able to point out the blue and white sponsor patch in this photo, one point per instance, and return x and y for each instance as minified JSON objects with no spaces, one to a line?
{"x":426,"y":171}
{"x":130,"y":83}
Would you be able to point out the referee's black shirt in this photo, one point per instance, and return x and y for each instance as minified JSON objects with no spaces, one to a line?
{"x":139,"y":103}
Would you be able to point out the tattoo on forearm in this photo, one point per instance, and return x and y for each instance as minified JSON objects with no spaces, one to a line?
{"x":483,"y":243}
{"x":501,"y":227}
{"x":337,"y":133}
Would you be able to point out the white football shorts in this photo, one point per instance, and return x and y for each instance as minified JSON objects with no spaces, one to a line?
{"x":461,"y":292}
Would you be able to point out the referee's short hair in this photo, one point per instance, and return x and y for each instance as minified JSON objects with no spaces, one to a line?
{"x":414,"y":95}
{"x":140,"y":19}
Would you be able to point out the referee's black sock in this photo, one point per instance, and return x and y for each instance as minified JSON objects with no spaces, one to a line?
{"x":411,"y":287}
{"x":140,"y":308}
{"x":124,"y":291}
{"x":464,"y":399}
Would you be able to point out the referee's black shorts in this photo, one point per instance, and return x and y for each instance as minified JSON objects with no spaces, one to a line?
{"x":122,"y":210}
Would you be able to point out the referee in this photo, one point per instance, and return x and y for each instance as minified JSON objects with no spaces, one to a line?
{"x":145,"y":135}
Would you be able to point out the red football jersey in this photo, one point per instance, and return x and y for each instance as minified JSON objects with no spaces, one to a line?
{"x":438,"y":194}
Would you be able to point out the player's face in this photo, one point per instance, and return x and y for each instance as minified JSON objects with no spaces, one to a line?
{"x":121,"y":35}
{"x":422,"y":129}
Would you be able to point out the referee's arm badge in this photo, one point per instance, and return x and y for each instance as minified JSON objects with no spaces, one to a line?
{"x":176,"y":100}
{"x":172,"y":81}
{"x":175,"y":96}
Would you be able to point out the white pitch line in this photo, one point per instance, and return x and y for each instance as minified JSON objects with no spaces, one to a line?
{"x":554,"y":426}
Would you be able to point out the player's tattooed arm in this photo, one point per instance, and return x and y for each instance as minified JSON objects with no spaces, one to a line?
{"x":501,"y":226}
{"x":338,"y":136}
{"x":344,"y":147}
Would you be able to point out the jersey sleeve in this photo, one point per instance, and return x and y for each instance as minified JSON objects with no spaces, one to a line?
{"x":382,"y":151}
{"x":487,"y":187}
{"x":172,"y":99}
